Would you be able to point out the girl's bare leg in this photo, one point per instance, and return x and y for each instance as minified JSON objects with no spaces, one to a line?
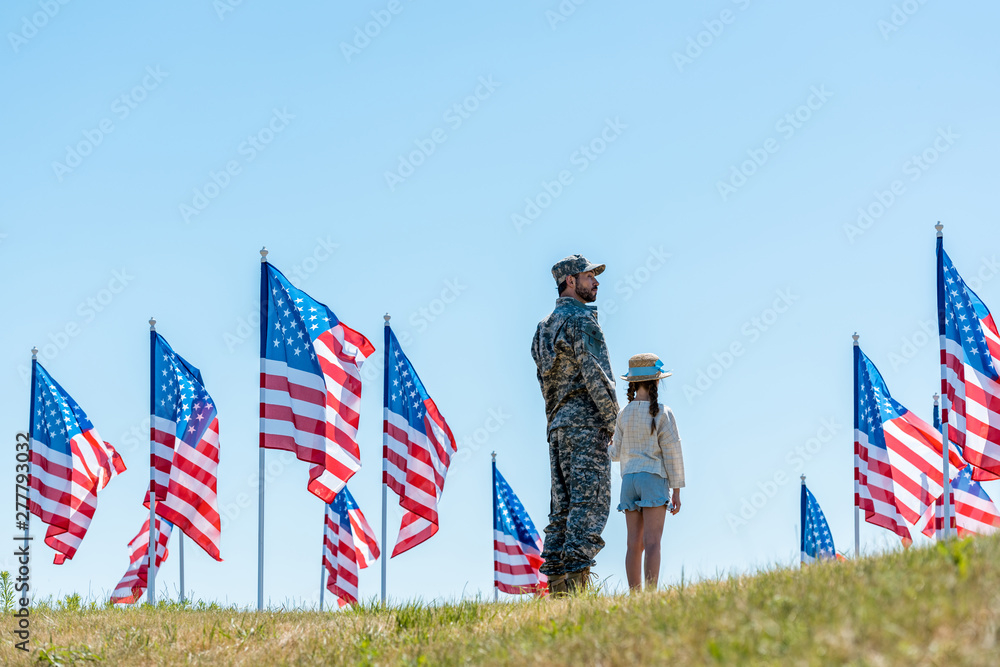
{"x":652,"y":524}
{"x":633,"y":550}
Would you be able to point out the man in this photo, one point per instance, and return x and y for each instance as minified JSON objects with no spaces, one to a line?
{"x":575,"y":376}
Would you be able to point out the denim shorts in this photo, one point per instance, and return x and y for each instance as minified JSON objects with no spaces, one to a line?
{"x":643,"y":489}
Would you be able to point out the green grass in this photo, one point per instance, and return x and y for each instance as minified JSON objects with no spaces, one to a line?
{"x":933,"y":606}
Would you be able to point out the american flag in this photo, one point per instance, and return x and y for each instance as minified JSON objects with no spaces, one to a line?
{"x":970,"y":359}
{"x":897,"y":455}
{"x":972,"y":510}
{"x":70,"y":464}
{"x":184,"y":429}
{"x":418,"y":450}
{"x":817,"y":540}
{"x":349,"y":544}
{"x":310,"y":383}
{"x":133,"y":584}
{"x":517,"y":546}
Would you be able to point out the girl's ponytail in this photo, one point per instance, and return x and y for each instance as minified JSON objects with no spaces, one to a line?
{"x":654,"y":405}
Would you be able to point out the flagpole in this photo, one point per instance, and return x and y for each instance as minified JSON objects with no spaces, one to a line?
{"x":260,"y":465}
{"x":857,"y":467}
{"x":322,"y":568}
{"x":27,"y":492}
{"x":385,"y":447}
{"x":802,"y":522}
{"x":496,"y":590}
{"x":945,"y":471}
{"x":937,"y":425}
{"x":151,"y":568}
{"x":180,"y":548}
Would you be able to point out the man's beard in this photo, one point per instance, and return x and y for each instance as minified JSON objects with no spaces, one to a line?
{"x":587,"y":295}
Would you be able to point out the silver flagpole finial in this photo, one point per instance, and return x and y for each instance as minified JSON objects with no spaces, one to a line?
{"x":34,"y":353}
{"x":936,"y":398}
{"x":803,"y":478}
{"x":855,"y":337}
{"x":152,"y":324}
{"x":387,"y":317}
{"x":494,"y":457}
{"x":263,"y":254}
{"x":939,"y":227}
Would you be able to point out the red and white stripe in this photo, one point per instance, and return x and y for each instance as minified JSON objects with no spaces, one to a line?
{"x":516,"y":565}
{"x":190,"y":501}
{"x":935,"y":527}
{"x":972,"y":511}
{"x":64,"y":488}
{"x":314,"y":416}
{"x":874,"y":489}
{"x":975,"y":515}
{"x":133,"y":584}
{"x":365,"y":544}
{"x":395,"y":451}
{"x":973,"y":404}
{"x":162,"y":435}
{"x":970,"y":515}
{"x":340,"y":561}
{"x":915,"y":456}
{"x":345,"y":552}
{"x":426,"y":464}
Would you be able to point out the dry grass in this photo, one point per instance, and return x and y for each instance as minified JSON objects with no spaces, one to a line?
{"x":935,"y":606}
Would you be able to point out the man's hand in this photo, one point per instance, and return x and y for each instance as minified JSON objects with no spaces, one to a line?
{"x":675,"y":502}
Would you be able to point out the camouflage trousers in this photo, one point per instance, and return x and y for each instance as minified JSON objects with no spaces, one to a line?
{"x":581,"y":498}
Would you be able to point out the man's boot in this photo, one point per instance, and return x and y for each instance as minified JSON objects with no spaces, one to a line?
{"x":577,"y":582}
{"x":557,"y":585}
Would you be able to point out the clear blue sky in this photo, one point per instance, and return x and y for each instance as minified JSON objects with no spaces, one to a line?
{"x":154,"y":149}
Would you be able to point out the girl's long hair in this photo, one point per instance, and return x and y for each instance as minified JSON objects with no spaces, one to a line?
{"x":654,"y":405}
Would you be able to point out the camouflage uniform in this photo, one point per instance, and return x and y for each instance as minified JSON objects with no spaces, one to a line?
{"x":574,"y":373}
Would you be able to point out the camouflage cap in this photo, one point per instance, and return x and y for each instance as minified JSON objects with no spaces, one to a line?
{"x":572,"y":265}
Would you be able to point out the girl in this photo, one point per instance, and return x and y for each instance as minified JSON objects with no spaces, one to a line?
{"x":649,"y":449}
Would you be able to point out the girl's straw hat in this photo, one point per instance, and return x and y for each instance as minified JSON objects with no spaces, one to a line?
{"x":644,"y":367}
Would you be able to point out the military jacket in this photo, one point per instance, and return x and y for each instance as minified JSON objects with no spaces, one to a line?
{"x":574,"y":371}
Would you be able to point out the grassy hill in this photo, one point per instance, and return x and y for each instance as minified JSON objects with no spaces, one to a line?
{"x":933,"y":606}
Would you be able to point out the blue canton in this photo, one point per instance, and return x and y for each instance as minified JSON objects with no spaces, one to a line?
{"x":875,"y":405}
{"x":294,"y":321}
{"x":817,"y":540}
{"x":343,"y":503}
{"x":179,"y":394}
{"x":963,"y":314}
{"x":510,"y":517}
{"x":405,"y":392}
{"x":57,"y":417}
